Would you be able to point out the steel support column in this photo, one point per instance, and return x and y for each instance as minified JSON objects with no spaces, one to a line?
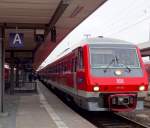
{"x":12,"y":74}
{"x":1,"y":69}
{"x":17,"y":75}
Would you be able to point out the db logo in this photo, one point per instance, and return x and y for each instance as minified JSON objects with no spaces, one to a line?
{"x":119,"y":81}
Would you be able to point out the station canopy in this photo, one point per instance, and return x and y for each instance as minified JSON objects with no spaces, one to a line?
{"x":57,"y":17}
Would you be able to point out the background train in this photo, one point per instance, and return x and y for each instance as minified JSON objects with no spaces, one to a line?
{"x":147,"y":67}
{"x":7,"y":76}
{"x":100,"y":74}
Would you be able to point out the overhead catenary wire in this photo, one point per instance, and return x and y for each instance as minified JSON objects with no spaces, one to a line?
{"x":131,"y":25}
{"x":125,"y":18}
{"x":125,"y":12}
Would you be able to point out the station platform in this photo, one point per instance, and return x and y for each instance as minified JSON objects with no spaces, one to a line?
{"x":41,"y":109}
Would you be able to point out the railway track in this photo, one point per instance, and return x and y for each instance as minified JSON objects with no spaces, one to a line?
{"x":110,"y":120}
{"x":119,"y":121}
{"x":102,"y":119}
{"x":147,"y":103}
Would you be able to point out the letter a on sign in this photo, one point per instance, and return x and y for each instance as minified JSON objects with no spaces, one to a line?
{"x":16,"y":40}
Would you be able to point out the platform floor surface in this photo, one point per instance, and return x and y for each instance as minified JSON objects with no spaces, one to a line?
{"x":40,"y":110}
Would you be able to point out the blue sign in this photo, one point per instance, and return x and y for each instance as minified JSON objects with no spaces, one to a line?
{"x":16,"y":40}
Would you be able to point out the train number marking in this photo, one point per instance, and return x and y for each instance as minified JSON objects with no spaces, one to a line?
{"x":119,"y":81}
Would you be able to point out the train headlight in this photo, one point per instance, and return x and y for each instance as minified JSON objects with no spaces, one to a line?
{"x":141,"y":88}
{"x":96,"y":88}
{"x":118,"y":72}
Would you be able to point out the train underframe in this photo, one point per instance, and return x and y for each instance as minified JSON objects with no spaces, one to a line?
{"x":119,"y":102}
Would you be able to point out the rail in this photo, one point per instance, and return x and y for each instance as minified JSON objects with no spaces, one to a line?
{"x":131,"y":122}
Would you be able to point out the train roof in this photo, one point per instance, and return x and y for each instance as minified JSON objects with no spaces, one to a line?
{"x":101,"y":40}
{"x":95,"y":40}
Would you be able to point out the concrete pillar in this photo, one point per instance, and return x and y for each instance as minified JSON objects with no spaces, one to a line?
{"x":2,"y":33}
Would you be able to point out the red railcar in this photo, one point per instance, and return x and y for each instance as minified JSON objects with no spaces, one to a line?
{"x":101,"y":74}
{"x":147,"y":67}
{"x":7,"y":76}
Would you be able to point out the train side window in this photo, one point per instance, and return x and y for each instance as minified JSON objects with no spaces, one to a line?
{"x":72,"y":65}
{"x":75,"y":65}
{"x":69,"y":66}
{"x":57,"y":68}
{"x":65,"y":67}
{"x":80,"y":58}
{"x":61,"y":67}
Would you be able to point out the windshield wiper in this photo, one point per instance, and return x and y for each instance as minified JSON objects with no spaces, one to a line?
{"x":111,"y":62}
{"x":117,"y":60}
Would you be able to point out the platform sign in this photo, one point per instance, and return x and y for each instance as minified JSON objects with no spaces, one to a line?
{"x":16,"y":40}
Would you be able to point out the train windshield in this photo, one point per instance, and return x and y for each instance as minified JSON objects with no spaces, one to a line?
{"x":114,"y":58}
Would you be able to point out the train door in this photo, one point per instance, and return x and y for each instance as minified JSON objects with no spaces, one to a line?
{"x":74,"y":71}
{"x":78,"y":69}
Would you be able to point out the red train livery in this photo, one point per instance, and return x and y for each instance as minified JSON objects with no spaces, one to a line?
{"x":100,"y":74}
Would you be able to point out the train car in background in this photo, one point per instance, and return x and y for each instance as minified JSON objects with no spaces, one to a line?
{"x":7,"y":76}
{"x":100,"y":74}
{"x":147,"y":67}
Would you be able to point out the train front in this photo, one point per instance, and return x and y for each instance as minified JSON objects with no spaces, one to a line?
{"x":116,"y":76}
